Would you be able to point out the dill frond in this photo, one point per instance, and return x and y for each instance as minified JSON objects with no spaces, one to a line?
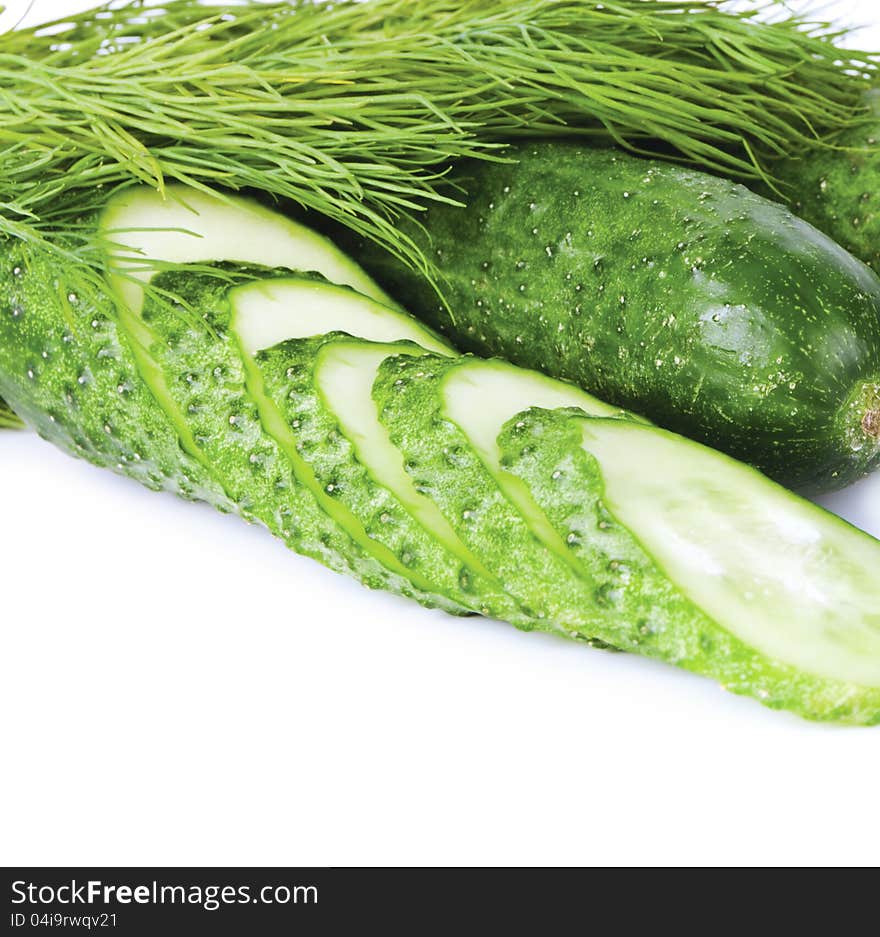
{"x":354,"y":110}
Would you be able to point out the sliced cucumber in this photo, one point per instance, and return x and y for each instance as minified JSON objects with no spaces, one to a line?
{"x":218,"y":389}
{"x":781,"y":574}
{"x":192,"y":227}
{"x":274,"y":310}
{"x":505,"y":533}
{"x":186,"y":226}
{"x":480,"y":396}
{"x":708,"y":564}
{"x":323,"y":387}
{"x":344,"y":374}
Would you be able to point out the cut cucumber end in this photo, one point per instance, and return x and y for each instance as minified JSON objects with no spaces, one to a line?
{"x":268,"y":312}
{"x":711,"y":524}
{"x":188,"y":226}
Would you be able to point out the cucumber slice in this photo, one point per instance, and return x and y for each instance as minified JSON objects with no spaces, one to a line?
{"x":274,"y":310}
{"x":218,"y":390}
{"x":323,"y":387}
{"x":708,"y":564}
{"x":186,"y":226}
{"x":781,"y":574}
{"x":480,"y":396}
{"x":344,"y":376}
{"x":506,"y":533}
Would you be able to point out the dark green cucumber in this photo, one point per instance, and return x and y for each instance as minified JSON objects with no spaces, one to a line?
{"x":838,"y":190}
{"x":682,"y":296}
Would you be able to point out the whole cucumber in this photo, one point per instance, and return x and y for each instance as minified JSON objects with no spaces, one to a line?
{"x":682,"y":296}
{"x":838,"y":190}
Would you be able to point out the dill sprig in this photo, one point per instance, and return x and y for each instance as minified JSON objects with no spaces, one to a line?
{"x":355,"y":110}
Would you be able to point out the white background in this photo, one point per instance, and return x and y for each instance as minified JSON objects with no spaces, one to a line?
{"x":179,"y":689}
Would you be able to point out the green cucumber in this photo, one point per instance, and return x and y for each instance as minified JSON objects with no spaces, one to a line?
{"x":219,"y":389}
{"x":838,"y":190}
{"x":681,"y":296}
{"x":323,"y":387}
{"x":456,"y":465}
{"x":70,"y":371}
{"x":718,"y":569}
{"x":509,"y":493}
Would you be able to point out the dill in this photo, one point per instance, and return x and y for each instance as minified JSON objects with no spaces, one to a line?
{"x":355,"y":110}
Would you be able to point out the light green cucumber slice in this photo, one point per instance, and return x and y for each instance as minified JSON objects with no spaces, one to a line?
{"x":186,"y":226}
{"x":323,"y":388}
{"x":344,"y":375}
{"x":780,"y":573}
{"x":218,"y":391}
{"x":705,"y":563}
{"x":480,"y":396}
{"x":274,"y":310}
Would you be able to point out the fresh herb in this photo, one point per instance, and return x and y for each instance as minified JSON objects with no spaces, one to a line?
{"x":353,"y":110}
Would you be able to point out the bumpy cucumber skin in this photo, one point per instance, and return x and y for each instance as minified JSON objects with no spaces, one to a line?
{"x":288,"y":370}
{"x":67,"y":368}
{"x":544,"y":448}
{"x":687,"y":298}
{"x":441,"y":462}
{"x":838,"y":190}
{"x":205,"y":373}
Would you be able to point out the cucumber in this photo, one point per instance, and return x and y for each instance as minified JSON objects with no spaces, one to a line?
{"x":218,"y":390}
{"x":69,"y":370}
{"x":629,"y":536}
{"x":507,"y":492}
{"x":323,"y":387}
{"x":509,"y":534}
{"x":140,"y":228}
{"x":681,"y":296}
{"x":838,"y":190}
{"x":718,"y":569}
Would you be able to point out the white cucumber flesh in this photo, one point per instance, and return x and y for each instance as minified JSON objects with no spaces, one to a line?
{"x":187,"y":226}
{"x":344,"y":375}
{"x":268,"y":312}
{"x":480,"y":396}
{"x":779,"y":573}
